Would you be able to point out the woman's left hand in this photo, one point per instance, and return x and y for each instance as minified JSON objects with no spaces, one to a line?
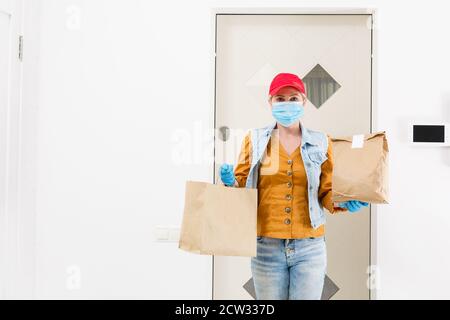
{"x":353,"y":205}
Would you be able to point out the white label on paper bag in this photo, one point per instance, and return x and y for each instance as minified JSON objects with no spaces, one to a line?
{"x":358,"y":141}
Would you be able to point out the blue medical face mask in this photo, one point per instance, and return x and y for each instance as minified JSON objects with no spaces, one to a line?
{"x":286,"y":113}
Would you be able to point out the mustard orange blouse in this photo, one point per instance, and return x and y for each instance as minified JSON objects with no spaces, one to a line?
{"x":283,"y":210}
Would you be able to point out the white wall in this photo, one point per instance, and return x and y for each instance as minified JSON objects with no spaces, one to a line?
{"x":113,"y":90}
{"x":413,"y":66}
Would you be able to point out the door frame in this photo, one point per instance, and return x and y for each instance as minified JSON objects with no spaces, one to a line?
{"x":373,"y":272}
{"x":10,"y":215}
{"x":21,"y":247}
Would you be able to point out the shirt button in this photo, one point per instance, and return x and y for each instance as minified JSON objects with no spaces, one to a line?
{"x":289,"y":173}
{"x":287,"y":209}
{"x":289,"y":184}
{"x":287,"y":221}
{"x":288,"y":197}
{"x":289,"y":161}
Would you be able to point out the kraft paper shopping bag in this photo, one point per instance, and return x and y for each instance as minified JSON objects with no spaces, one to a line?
{"x":219,"y":220}
{"x":360,"y":170}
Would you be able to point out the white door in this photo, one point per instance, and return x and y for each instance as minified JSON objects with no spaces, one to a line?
{"x":332,"y":54}
{"x":10,"y":86}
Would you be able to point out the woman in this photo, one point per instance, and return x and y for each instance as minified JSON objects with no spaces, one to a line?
{"x":292,"y":168}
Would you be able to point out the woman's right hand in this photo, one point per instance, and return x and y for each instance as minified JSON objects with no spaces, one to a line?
{"x":227,"y":174}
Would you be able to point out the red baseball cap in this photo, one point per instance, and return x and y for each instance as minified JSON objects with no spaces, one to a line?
{"x":282,"y":80}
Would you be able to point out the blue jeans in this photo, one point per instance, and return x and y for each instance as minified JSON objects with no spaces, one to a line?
{"x":291,"y":269}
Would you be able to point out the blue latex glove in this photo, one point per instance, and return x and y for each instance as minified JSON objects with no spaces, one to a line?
{"x":353,"y":205}
{"x":227,"y":174}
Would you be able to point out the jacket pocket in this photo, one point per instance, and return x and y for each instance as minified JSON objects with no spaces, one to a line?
{"x":317,"y":157}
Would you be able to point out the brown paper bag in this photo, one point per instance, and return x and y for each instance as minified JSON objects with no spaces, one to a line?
{"x":360,"y":168}
{"x":219,"y":220}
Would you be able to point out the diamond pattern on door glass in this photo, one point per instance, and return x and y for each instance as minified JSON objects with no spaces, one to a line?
{"x":329,"y":288}
{"x":320,"y":85}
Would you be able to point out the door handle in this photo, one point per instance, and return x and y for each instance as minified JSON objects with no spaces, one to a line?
{"x":224,"y":133}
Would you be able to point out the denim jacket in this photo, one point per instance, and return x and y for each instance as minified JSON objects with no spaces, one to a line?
{"x":313,"y":151}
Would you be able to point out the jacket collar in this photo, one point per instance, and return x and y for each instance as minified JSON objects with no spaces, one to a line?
{"x":306,"y":135}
